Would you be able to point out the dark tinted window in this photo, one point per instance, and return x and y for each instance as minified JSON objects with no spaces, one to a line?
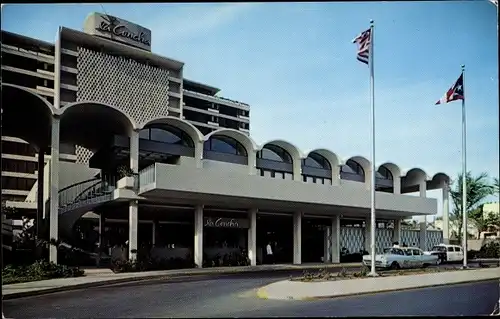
{"x":384,"y":173}
{"x":274,"y":153}
{"x":317,"y":161}
{"x":450,"y":248}
{"x":166,"y":134}
{"x":226,"y":145}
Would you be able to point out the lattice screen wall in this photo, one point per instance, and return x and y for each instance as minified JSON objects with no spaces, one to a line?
{"x":410,"y":237}
{"x":139,"y":90}
{"x":434,"y":237}
{"x":352,"y":238}
{"x":383,"y":239}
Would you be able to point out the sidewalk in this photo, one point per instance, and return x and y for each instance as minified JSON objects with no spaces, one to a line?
{"x":296,"y":290}
{"x":100,"y":276}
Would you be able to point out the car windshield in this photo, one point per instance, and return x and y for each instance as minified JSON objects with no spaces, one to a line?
{"x":439,"y":248}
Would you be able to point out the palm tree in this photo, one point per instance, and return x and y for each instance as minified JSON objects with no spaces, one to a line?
{"x":478,"y":188}
{"x":496,"y":186}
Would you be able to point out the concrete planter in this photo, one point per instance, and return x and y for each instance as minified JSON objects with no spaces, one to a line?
{"x":126,"y":182}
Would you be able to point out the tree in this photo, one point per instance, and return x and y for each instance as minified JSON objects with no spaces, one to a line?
{"x":478,"y":188}
{"x":496,"y":186}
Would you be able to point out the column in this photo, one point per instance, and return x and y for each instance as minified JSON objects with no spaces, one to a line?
{"x":134,"y":151}
{"x":102,"y":220}
{"x":446,"y":213}
{"x":423,"y":189}
{"x":297,"y":238}
{"x":297,"y":169}
{"x":252,"y":237}
{"x":396,"y":234}
{"x":155,"y":227}
{"x":198,"y":236}
{"x":101,"y":239}
{"x":396,"y":183}
{"x":54,"y":189}
{"x":252,"y":162}
{"x":198,"y":153}
{"x":336,"y":239}
{"x":368,"y":238}
{"x":327,"y":242}
{"x":423,"y":234}
{"x":133,"y":225}
{"x":40,"y":183}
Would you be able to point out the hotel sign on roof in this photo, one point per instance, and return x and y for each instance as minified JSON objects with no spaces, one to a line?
{"x":117,"y":29}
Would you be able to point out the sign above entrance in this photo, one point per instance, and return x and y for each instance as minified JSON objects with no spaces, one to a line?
{"x":117,"y":29}
{"x":225,"y":222}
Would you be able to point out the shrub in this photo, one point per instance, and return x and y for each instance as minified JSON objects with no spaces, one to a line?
{"x":490,"y":250}
{"x":40,"y":270}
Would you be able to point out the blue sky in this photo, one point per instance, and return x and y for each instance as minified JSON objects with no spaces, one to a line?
{"x":294,"y":63}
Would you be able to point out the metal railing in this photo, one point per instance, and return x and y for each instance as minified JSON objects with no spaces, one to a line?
{"x":85,"y":190}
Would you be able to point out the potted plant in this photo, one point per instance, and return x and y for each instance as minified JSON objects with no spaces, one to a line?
{"x":126,"y":177}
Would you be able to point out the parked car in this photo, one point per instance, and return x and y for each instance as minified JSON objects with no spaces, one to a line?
{"x":404,"y":257}
{"x":446,"y":253}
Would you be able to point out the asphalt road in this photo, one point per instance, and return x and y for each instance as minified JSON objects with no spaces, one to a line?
{"x":234,"y":296}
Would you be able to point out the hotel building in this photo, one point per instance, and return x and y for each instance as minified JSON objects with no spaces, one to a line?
{"x":77,"y":110}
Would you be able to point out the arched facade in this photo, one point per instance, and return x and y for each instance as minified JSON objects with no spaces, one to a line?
{"x":388,"y":178}
{"x":320,"y":166}
{"x":356,"y":169}
{"x":414,"y":180}
{"x":278,"y":159}
{"x":90,"y":124}
{"x":227,"y":145}
{"x":18,"y":102}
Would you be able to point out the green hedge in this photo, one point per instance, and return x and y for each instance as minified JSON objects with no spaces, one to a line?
{"x":40,"y":270}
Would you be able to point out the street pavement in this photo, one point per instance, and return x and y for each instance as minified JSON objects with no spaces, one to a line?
{"x":234,"y":296}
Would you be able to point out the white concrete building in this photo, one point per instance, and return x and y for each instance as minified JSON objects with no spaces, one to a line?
{"x":116,"y":103}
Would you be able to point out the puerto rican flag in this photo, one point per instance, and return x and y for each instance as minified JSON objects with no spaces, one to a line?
{"x":456,"y":92}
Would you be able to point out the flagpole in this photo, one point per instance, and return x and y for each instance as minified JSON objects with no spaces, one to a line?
{"x":464,"y":172}
{"x":373,"y":223}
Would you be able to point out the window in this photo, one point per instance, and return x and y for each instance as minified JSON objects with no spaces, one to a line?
{"x":316,"y":161}
{"x":450,"y":249}
{"x":225,"y":144}
{"x":166,"y":134}
{"x":354,"y":167}
{"x":416,"y":252}
{"x":274,"y":153}
{"x":384,"y":173}
{"x":458,"y":249}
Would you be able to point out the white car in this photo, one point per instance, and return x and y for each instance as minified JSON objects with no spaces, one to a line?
{"x":447,"y":253}
{"x":401,"y":257}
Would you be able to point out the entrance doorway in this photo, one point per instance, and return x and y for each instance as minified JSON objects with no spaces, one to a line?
{"x":277,"y":230}
{"x":315,"y":237}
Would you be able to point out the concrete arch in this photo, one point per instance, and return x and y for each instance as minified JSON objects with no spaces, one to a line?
{"x":293,"y":150}
{"x":49,"y":106}
{"x":247,"y":142}
{"x":72,"y":107}
{"x":439,"y":179}
{"x":393,"y":168}
{"x":330,"y":156}
{"x":90,"y":123}
{"x":176,"y":122}
{"x":364,"y":162}
{"x":26,"y":115}
{"x":414,"y":176}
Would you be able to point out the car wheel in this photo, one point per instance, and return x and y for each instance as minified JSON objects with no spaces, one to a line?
{"x":395,"y":265}
{"x":439,"y":261}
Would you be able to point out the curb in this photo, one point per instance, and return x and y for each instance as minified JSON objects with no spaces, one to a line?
{"x":16,"y":295}
{"x":262,"y":293}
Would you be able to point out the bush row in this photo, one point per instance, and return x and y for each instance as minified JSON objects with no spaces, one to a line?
{"x":40,"y":270}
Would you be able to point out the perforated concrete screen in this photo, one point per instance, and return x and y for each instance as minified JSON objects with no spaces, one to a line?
{"x":139,"y":90}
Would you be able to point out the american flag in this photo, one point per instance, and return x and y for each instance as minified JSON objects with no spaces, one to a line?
{"x":363,"y":40}
{"x":456,"y":92}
